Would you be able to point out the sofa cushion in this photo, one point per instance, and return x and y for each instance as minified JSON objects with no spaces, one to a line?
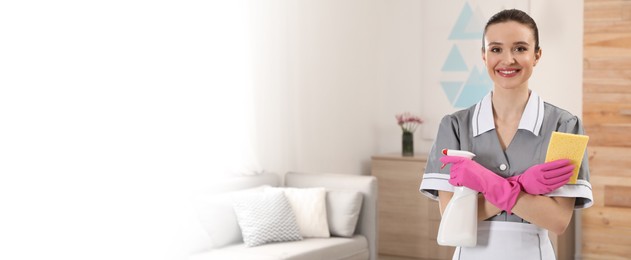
{"x":309,"y":206}
{"x":266,"y":217}
{"x":343,"y":208}
{"x":333,"y":248}
{"x":217,"y":217}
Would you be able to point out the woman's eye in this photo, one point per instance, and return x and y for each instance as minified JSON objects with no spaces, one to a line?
{"x":521,"y":49}
{"x":496,"y":50}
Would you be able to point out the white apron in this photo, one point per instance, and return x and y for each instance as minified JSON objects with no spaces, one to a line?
{"x":508,"y":240}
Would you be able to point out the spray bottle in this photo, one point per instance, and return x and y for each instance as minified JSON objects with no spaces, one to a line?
{"x":459,"y":223}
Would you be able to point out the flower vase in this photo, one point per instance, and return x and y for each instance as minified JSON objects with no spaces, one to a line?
{"x":407,"y":143}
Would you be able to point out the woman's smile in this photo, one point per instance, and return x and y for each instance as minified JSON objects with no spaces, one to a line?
{"x":507,"y":72}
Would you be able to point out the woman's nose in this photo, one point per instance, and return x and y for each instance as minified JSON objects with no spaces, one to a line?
{"x":508,"y":58}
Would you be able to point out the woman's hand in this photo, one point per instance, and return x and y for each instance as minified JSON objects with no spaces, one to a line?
{"x":497,"y":190}
{"x":546,"y":177}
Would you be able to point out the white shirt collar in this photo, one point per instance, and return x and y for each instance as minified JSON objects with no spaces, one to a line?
{"x":531,"y":119}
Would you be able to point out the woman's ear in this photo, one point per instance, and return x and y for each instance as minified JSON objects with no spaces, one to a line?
{"x":537,"y":56}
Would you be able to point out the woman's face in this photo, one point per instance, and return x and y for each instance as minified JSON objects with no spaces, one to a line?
{"x":509,"y":54}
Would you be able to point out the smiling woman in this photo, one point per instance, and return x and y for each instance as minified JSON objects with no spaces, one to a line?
{"x":509,"y":130}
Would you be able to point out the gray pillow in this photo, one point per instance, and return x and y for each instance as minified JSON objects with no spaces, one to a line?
{"x":343,"y":208}
{"x":266,"y":217}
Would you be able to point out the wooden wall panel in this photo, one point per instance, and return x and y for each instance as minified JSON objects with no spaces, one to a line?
{"x":607,"y":231}
{"x":603,"y":10}
{"x":607,"y":217}
{"x":606,"y":227}
{"x":618,"y":196}
{"x":606,"y":113}
{"x":616,"y":134}
{"x":614,"y":26}
{"x":599,"y":182}
{"x":610,"y":161}
{"x":606,"y":81}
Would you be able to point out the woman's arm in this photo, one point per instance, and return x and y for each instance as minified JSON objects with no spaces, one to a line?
{"x":443,"y":199}
{"x":551,"y":213}
{"x":485,"y":208}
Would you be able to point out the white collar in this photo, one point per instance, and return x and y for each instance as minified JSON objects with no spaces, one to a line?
{"x":531,"y":119}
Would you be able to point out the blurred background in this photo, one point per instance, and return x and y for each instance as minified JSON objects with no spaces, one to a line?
{"x":113,"y":112}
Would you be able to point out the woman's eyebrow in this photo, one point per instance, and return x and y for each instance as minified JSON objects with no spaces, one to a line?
{"x":515,"y":43}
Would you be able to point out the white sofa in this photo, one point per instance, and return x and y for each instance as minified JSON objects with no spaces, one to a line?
{"x":228,"y":242}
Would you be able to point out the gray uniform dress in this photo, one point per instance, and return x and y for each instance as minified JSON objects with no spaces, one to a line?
{"x":473,"y":130}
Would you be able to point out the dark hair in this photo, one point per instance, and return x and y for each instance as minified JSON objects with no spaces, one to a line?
{"x":517,"y":16}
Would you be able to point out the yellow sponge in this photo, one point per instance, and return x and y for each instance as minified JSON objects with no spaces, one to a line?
{"x":567,"y":146}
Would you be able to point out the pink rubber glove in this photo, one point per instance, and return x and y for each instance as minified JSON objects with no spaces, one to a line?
{"x":497,"y":190}
{"x":546,"y":177}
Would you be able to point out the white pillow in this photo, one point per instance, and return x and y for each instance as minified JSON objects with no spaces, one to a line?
{"x":217,"y":217}
{"x":266,"y":217}
{"x":343,"y":208}
{"x":309,"y":206}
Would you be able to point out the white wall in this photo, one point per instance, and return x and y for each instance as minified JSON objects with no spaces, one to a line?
{"x":350,"y":66}
{"x":273,"y":103}
{"x":324,"y":85}
{"x":334,"y":74}
{"x":401,"y":65}
{"x":558,"y":77}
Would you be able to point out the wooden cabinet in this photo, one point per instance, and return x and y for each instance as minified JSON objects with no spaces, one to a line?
{"x":408,"y":220}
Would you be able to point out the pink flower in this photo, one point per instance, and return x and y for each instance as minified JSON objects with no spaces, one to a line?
{"x":408,"y":122}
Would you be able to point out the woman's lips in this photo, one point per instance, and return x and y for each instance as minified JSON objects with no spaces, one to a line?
{"x":507,"y":72}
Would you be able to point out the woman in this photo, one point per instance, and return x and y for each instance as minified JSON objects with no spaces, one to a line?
{"x":509,"y":130}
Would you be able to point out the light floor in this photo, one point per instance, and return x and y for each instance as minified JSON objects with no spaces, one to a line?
{"x":390,"y":257}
